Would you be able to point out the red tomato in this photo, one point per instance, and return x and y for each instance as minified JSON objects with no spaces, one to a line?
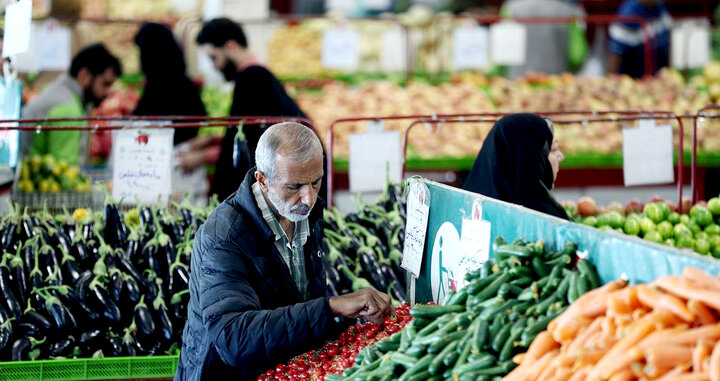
{"x":333,"y":349}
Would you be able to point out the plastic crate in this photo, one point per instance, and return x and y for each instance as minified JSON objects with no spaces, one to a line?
{"x":118,"y":368}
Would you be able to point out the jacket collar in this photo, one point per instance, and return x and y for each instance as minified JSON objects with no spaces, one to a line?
{"x":245,"y":199}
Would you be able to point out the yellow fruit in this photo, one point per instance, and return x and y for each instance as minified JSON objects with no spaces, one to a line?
{"x":56,"y":170}
{"x":26,"y":186}
{"x":80,"y":214}
{"x":714,"y":90}
{"x":44,"y":186}
{"x":25,"y":173}
{"x":54,"y":187}
{"x":712,"y":71}
{"x":72,"y":172}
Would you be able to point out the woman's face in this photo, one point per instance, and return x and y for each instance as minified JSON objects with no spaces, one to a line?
{"x":555,"y":157}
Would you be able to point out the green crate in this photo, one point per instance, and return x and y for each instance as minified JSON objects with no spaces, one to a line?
{"x":119,"y":368}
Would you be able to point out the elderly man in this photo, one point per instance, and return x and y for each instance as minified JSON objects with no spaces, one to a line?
{"x":257,"y":290}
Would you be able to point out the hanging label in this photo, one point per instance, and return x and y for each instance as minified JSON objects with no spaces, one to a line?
{"x":648,"y":155}
{"x":470,"y":48}
{"x":212,"y":9}
{"x":418,"y":213}
{"x":507,"y":43}
{"x":18,"y":19}
{"x":142,"y":165}
{"x":690,"y":45}
{"x":474,"y":248}
{"x":11,"y":98}
{"x":393,"y":56}
{"x":340,"y":49}
{"x":374,"y":157}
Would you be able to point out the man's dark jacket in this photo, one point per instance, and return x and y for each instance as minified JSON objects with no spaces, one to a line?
{"x":245,"y":313}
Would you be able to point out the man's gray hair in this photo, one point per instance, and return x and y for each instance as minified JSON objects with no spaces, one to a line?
{"x":297,"y":142}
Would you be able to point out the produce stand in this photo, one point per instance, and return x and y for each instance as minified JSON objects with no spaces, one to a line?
{"x":696,"y":184}
{"x":614,"y":255}
{"x":559,"y":118}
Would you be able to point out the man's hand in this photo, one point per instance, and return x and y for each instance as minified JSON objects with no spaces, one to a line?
{"x":369,"y":304}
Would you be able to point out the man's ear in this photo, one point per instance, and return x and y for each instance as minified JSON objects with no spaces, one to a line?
{"x":84,"y":77}
{"x":262,"y":180}
{"x":231,"y":45}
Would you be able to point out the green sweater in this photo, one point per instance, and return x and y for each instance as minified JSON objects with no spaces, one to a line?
{"x":61,"y":99}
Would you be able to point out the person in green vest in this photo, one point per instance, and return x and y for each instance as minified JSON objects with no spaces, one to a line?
{"x":92,"y":73}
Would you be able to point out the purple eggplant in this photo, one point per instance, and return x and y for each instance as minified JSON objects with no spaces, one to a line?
{"x":19,"y":277}
{"x":10,"y":300}
{"x":143,"y":318}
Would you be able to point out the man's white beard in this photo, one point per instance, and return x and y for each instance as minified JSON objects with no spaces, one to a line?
{"x":286,"y":211}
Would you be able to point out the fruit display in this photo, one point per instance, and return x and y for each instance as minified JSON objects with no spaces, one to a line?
{"x":481,"y":327}
{"x":46,"y":175}
{"x":667,"y":91}
{"x":365,"y":248}
{"x":695,"y":227}
{"x":663,"y":330}
{"x":336,"y":356}
{"x":88,"y":284}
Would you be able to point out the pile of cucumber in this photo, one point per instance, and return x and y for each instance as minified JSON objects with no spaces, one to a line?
{"x":478,"y":330}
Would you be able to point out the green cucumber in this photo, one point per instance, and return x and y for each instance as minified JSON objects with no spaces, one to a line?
{"x":521,"y":271}
{"x":481,"y":334}
{"x":463,"y":356}
{"x":522,"y":281}
{"x":334,"y":377}
{"x":509,"y":345}
{"x":422,"y":376}
{"x":483,"y":362}
{"x":583,"y":285}
{"x":562,"y":260}
{"x":437,"y":363}
{"x":539,"y":325}
{"x":497,"y":324}
{"x":421,"y":364}
{"x":492,"y":289}
{"x":527,"y":338}
{"x":572,"y":294}
{"x":458,"y":298}
{"x":451,"y":358}
{"x":501,"y":338}
{"x":539,"y":267}
{"x":505,"y":251}
{"x":478,"y":284}
{"x":408,"y":335}
{"x":521,"y":307}
{"x":403,"y":359}
{"x":519,"y":325}
{"x":416,"y":350}
{"x":425,"y":311}
{"x":548,"y":287}
{"x":439,"y":345}
{"x":432,"y":327}
{"x":389,"y":344}
{"x":586,"y":268}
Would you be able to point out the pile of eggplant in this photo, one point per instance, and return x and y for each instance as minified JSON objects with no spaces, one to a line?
{"x":365,"y":248}
{"x":95,"y":284}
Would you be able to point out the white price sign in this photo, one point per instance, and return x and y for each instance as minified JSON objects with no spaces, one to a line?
{"x":470,"y":48}
{"x":18,"y":19}
{"x":418,"y":213}
{"x":142,"y":165}
{"x":340,"y":49}
{"x":374,"y":156}
{"x":507,"y":43}
{"x":648,"y":154}
{"x":474,"y":248}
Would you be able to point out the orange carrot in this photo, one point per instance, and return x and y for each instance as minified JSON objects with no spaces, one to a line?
{"x":580,"y":374}
{"x":518,"y":358}
{"x":704,"y":314}
{"x":700,"y":353}
{"x":562,"y":374}
{"x":539,"y":366}
{"x":662,"y":301}
{"x":624,"y":375}
{"x":683,"y":289}
{"x":688,"y":377}
{"x":715,"y":363}
{"x":688,"y":337}
{"x":542,"y":344}
{"x":668,"y":356}
{"x":568,"y":328}
{"x":619,"y":351}
{"x":701,"y":278}
{"x":583,"y":337}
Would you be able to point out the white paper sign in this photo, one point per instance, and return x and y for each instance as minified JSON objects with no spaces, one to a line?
{"x":470,"y":48}
{"x":415,"y":230}
{"x":393,"y":56}
{"x":474,"y":248}
{"x":376,"y":5}
{"x":370,"y":156}
{"x":648,"y":155}
{"x":690,"y":45}
{"x":142,"y":165}
{"x":340,"y":49}
{"x":212,"y":9}
{"x":18,"y":18}
{"x":247,"y":9}
{"x":507,"y":43}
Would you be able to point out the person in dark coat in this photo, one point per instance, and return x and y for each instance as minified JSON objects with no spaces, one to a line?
{"x":257,"y":93}
{"x":518,"y":163}
{"x":257,"y":284}
{"x":168,"y":90}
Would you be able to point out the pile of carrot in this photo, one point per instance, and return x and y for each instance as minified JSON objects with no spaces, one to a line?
{"x":665,"y":330}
